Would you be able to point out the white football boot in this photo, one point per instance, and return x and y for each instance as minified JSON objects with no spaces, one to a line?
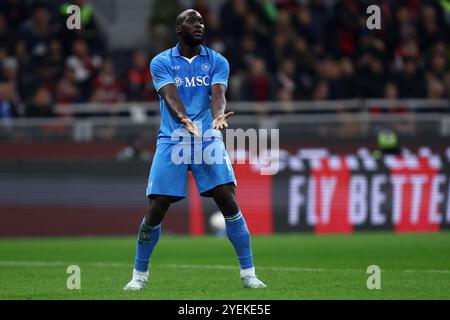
{"x":250,"y":280}
{"x":253,"y":282}
{"x":138,"y":281}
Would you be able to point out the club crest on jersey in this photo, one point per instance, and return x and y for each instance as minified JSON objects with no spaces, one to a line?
{"x":205,"y":67}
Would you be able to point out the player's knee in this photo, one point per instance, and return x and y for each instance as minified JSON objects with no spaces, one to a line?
{"x":226,"y":201}
{"x":154,"y":216}
{"x":156,"y":210}
{"x":230,"y":210}
{"x":228,"y":206}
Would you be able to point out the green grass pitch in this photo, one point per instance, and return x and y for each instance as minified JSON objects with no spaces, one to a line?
{"x":305,"y":266}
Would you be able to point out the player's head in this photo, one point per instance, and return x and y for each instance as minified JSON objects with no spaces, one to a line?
{"x":190,"y":27}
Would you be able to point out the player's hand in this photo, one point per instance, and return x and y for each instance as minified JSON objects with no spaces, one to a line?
{"x":190,"y":126}
{"x":220,"y":121}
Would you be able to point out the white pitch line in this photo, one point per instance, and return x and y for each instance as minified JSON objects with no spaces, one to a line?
{"x":295,"y":269}
{"x":32,"y":264}
{"x":201,"y":266}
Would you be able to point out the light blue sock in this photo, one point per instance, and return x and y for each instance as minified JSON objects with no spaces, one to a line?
{"x":237,"y":232}
{"x":147,"y":239}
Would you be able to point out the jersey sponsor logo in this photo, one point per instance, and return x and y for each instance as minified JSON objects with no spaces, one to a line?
{"x":198,"y":81}
{"x":178,"y":81}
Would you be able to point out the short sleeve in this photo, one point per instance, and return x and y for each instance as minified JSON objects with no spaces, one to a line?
{"x":221,"y":71}
{"x":160,"y":73}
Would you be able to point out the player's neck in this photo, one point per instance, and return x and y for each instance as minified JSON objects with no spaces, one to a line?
{"x":189,"y":51}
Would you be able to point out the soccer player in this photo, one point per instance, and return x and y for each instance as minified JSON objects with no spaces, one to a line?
{"x":191,"y":81}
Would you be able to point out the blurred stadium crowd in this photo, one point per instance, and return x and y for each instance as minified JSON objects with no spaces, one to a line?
{"x":279,"y":50}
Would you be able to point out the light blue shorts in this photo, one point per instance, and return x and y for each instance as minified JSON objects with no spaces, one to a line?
{"x":208,"y":161}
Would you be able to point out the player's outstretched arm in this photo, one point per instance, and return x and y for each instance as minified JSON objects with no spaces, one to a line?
{"x":218,"y":105}
{"x":170,"y":95}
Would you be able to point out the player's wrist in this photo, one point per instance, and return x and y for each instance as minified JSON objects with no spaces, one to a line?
{"x":215,"y":116}
{"x":182,"y":117}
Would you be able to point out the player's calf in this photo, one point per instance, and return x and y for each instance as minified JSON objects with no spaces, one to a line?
{"x":239,"y":236}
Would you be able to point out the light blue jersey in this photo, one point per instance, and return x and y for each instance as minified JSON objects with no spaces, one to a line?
{"x":193,"y":78}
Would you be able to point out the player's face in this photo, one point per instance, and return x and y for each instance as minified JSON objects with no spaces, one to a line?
{"x":193,"y":29}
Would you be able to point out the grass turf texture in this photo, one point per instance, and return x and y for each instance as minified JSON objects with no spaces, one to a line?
{"x":414,"y":266}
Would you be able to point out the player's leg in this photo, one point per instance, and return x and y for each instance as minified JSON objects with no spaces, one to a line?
{"x":166,"y":184}
{"x":237,"y":232}
{"x":150,"y":231}
{"x":215,"y":178}
{"x":148,"y":236}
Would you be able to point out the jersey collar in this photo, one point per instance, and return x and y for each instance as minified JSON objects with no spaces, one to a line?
{"x":176,"y":51}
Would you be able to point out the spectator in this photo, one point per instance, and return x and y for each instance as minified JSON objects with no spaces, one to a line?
{"x":138,"y":80}
{"x":107,"y":87}
{"x":214,"y":33}
{"x":406,"y":123}
{"x":347,"y":80}
{"x":10,"y":74}
{"x":329,"y":72}
{"x":285,"y":79}
{"x":38,"y":32}
{"x":343,"y":30}
{"x":201,"y":7}
{"x":233,"y":16}
{"x":321,"y":91}
{"x":410,"y":80}
{"x":286,"y":99}
{"x":430,"y":29}
{"x":284,"y":24}
{"x":438,"y":67}
{"x":390,"y":91}
{"x":55,"y":59}
{"x":15,"y":12}
{"x":372,"y":76}
{"x":7,"y":35}
{"x":402,"y":27}
{"x":407,"y":49}
{"x":161,"y":24}
{"x":242,"y":58}
{"x":67,"y":90}
{"x":447,"y":82}
{"x":40,"y":105}
{"x":281,"y":47}
{"x":319,"y":15}
{"x":85,"y":66}
{"x":304,"y":25}
{"x":306,"y":67}
{"x":392,"y":95}
{"x":7,"y":110}
{"x":89,"y":30}
{"x":253,"y":28}
{"x":258,"y":85}
{"x":26,"y":69}
{"x":436,"y":90}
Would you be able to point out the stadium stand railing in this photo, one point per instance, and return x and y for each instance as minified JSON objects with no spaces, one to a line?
{"x":344,"y":118}
{"x":357,"y":105}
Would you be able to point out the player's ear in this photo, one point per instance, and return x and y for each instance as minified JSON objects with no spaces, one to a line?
{"x":177,"y":29}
